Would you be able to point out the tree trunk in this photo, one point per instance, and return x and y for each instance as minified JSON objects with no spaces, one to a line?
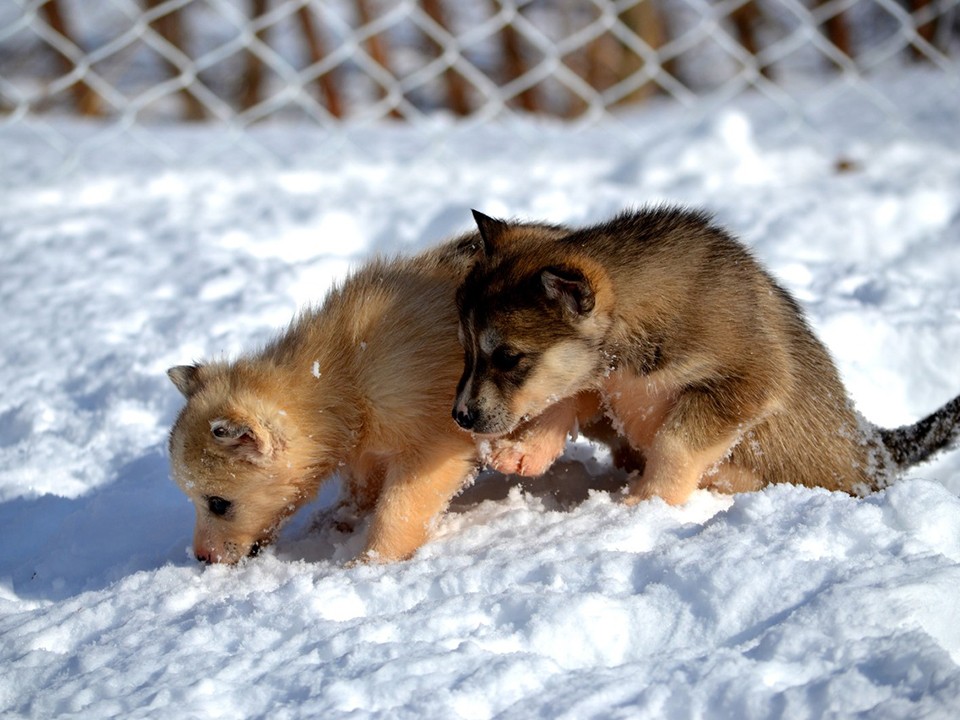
{"x":251,"y":91}
{"x":315,"y":46}
{"x":745,"y":19}
{"x":516,"y":66}
{"x":646,"y":22}
{"x":926,"y":30}
{"x":456,"y":87}
{"x":376,"y":47}
{"x":84,"y":97}
{"x":837,"y":31}
{"x":170,"y":28}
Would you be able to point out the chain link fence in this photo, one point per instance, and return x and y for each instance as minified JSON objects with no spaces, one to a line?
{"x":138,"y":64}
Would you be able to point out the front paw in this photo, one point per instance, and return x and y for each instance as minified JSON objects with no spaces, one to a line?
{"x":520,"y":458}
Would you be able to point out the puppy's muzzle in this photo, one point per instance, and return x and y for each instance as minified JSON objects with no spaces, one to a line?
{"x":209,"y":556}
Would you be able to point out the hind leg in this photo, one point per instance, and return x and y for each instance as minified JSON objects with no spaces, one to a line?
{"x":696,"y":436}
{"x":674,"y":470}
{"x":730,"y":478}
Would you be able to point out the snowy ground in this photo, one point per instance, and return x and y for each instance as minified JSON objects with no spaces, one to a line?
{"x":549,"y":600}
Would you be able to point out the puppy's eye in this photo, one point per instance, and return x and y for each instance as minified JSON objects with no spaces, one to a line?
{"x":218,"y":506}
{"x":505,"y":359}
{"x":221,"y":431}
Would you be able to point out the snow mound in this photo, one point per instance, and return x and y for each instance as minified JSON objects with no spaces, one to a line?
{"x":545,"y":598}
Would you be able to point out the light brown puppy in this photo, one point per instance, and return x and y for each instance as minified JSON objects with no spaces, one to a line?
{"x":707,"y":366}
{"x":360,"y":386}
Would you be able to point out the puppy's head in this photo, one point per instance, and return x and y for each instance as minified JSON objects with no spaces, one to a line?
{"x":529,"y":326}
{"x":230,"y":452}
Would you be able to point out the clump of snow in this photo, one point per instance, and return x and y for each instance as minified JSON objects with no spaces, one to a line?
{"x":540,"y":598}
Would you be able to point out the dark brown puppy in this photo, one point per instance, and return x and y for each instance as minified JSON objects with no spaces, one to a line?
{"x":705,"y":364}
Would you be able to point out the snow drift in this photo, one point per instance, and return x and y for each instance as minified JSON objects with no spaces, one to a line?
{"x":538,"y":599}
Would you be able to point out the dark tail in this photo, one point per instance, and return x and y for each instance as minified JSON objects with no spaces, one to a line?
{"x":912,"y":444}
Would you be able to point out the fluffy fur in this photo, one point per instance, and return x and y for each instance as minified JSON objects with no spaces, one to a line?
{"x":360,"y":386}
{"x":705,"y":363}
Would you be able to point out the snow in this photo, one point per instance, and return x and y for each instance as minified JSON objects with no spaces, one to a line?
{"x":542,"y":599}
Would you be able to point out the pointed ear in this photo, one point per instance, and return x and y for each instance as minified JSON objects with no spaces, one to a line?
{"x":253,"y":444}
{"x":186,"y":378}
{"x":491,"y":230}
{"x":570,"y":288}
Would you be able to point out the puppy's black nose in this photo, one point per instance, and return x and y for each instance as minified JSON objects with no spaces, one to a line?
{"x":465,"y":417}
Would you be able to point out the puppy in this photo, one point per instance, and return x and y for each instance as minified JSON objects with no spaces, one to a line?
{"x":706,"y":365}
{"x":360,"y":386}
